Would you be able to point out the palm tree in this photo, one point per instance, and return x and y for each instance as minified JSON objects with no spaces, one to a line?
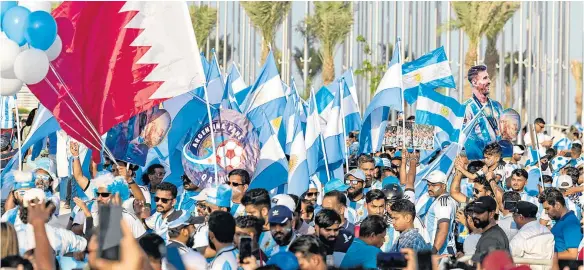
{"x":330,"y":24}
{"x":204,"y":19}
{"x":266,"y":17}
{"x":315,"y":63}
{"x":511,"y":79}
{"x":477,"y":19}
{"x":496,"y":25}
{"x":577,"y":73}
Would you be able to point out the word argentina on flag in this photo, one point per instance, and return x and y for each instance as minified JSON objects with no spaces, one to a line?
{"x":387,"y":96}
{"x":439,"y":110}
{"x":432,"y":69}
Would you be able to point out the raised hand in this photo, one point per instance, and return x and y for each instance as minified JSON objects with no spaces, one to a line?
{"x":74,"y":148}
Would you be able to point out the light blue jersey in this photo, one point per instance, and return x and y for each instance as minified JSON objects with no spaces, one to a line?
{"x":237,"y":210}
{"x":185,"y":201}
{"x":443,"y":209}
{"x":7,"y":120}
{"x":226,"y":259}
{"x":159,"y":224}
{"x":391,"y":236}
{"x":360,"y":210}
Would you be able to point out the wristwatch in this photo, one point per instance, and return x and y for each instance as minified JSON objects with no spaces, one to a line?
{"x":132,"y":182}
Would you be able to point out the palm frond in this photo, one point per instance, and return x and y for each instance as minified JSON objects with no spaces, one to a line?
{"x":204,"y":20}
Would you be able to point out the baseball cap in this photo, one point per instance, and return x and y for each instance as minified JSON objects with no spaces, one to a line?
{"x":378,"y":162}
{"x":284,"y":260}
{"x":436,"y":177}
{"x":202,"y":196}
{"x":185,"y":219}
{"x":335,"y":184}
{"x":285,"y":200}
{"x":389,"y":180}
{"x":526,"y":209}
{"x":564,"y":181}
{"x":397,"y":154}
{"x":517,"y":150}
{"x":220,"y":195}
{"x":386,"y":162}
{"x":279,"y":214}
{"x":357,"y":173}
{"x":484,"y":204}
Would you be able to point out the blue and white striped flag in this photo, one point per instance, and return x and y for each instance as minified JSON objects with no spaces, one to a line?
{"x":272,"y":168}
{"x":563,"y":144}
{"x":432,"y":69}
{"x":266,"y":101}
{"x":334,"y":133}
{"x":387,"y":96}
{"x":532,"y":157}
{"x":298,"y":177}
{"x":350,"y":109}
{"x":439,"y":110}
{"x":314,"y":151}
{"x":43,"y":125}
{"x":233,"y":84}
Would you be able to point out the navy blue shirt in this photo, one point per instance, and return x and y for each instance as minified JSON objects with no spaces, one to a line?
{"x":567,"y":233}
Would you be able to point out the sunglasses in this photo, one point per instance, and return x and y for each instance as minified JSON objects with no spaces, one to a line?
{"x":352,"y":182}
{"x":233,"y":184}
{"x":43,"y":177}
{"x":311,"y":194}
{"x":103,"y":194}
{"x":164,"y":200}
{"x":476,"y":191}
{"x":201,"y":205}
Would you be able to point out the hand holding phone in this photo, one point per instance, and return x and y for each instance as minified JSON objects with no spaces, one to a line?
{"x":110,"y":232}
{"x":245,"y":248}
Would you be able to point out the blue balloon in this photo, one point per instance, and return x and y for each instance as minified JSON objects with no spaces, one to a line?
{"x":41,"y":30}
{"x":5,"y":6}
{"x":13,"y":24}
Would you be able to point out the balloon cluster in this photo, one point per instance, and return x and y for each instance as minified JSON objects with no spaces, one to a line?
{"x":28,"y":42}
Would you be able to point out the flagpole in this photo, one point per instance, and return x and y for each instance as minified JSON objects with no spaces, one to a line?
{"x":328,"y":175}
{"x":534,"y":139}
{"x":18,"y":139}
{"x":341,"y":90}
{"x":212,"y":132}
{"x":403,"y":102}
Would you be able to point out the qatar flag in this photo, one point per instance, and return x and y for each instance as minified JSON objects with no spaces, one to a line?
{"x":118,"y":59}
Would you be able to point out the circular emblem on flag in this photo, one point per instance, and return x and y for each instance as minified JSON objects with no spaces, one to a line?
{"x":236,"y":147}
{"x":444,"y":111}
{"x":418,"y":77}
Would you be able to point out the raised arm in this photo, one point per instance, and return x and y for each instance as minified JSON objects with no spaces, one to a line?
{"x":455,"y":188}
{"x":138,"y":195}
{"x":77,"y":171}
{"x":37,"y":217}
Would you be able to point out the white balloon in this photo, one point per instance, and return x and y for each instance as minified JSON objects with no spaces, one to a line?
{"x":36,"y":5}
{"x":8,"y":52}
{"x":8,"y":74}
{"x":55,"y":49}
{"x":9,"y":87}
{"x":31,"y":66}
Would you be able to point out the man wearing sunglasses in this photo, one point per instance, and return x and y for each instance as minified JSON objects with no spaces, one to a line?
{"x":311,"y":195}
{"x":45,"y":176}
{"x":185,"y":200}
{"x":216,"y":199}
{"x":165,"y":200}
{"x":23,"y":181}
{"x":440,"y":217}
{"x":239,"y":182}
{"x":356,"y":181}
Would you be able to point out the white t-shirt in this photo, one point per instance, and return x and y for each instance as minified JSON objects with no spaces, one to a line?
{"x":442,"y":209}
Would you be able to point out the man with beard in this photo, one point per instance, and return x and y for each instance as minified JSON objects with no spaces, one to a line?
{"x":487,"y":128}
{"x":257,"y":203}
{"x":311,"y":195}
{"x":478,"y":187}
{"x":337,"y":201}
{"x":185,"y":200}
{"x":441,"y":214}
{"x":221,"y":232}
{"x":252,"y":227}
{"x":165,"y":200}
{"x":239,"y":182}
{"x":566,"y":231}
{"x":280,"y":220}
{"x":181,"y":233}
{"x":492,"y":237}
{"x":216,"y":199}
{"x":336,"y":240}
{"x":355,"y":179}
{"x":366,"y":164}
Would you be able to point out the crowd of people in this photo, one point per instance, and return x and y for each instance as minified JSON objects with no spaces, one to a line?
{"x":387,"y":212}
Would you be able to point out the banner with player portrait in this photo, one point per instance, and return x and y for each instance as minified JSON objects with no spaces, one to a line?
{"x":237,"y":147}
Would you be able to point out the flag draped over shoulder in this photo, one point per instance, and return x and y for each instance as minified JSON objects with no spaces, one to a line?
{"x":387,"y":96}
{"x":118,"y":59}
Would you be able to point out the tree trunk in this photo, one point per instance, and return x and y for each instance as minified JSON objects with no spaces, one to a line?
{"x":508,"y":96}
{"x":577,"y":73}
{"x":469,"y":61}
{"x":491,"y":59}
{"x":328,"y":68}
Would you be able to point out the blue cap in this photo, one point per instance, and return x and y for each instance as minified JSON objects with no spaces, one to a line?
{"x":21,"y":179}
{"x":335,"y":184}
{"x":220,"y":195}
{"x":389,"y":180}
{"x":184,"y":220}
{"x":378,"y":162}
{"x":285,"y":260}
{"x":397,"y":154}
{"x":279,"y":214}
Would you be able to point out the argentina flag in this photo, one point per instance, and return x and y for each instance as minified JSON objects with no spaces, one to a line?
{"x":350,"y":109}
{"x":313,"y":139}
{"x":439,"y":110}
{"x":233,"y":84}
{"x":432,"y":69}
{"x":387,"y":96}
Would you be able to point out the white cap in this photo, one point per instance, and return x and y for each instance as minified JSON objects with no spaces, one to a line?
{"x":436,"y":177}
{"x":285,"y":200}
{"x":564,"y":181}
{"x":517,"y":150}
{"x":202,"y":196}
